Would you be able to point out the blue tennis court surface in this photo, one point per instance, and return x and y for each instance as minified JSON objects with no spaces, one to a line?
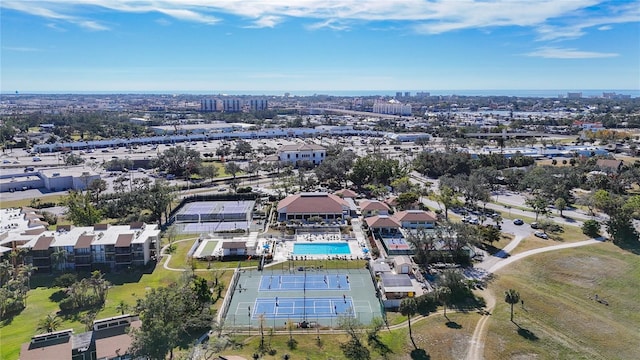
{"x":301,"y":282}
{"x":283,"y":308}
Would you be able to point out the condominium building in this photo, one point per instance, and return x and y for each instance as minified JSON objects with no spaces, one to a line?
{"x":102,"y":245}
{"x":392,"y":107}
{"x":258,"y":104}
{"x":231,"y":105}
{"x":82,"y":248}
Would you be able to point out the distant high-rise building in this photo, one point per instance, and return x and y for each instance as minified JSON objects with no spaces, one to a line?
{"x":210,"y":105}
{"x":398,"y":94}
{"x":574,"y":95}
{"x":392,"y":107}
{"x":407,"y":94}
{"x":207,"y":105}
{"x":423,"y":94}
{"x":231,"y":105}
{"x":258,"y":104}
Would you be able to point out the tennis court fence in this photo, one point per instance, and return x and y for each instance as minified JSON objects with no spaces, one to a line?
{"x":222,"y":314}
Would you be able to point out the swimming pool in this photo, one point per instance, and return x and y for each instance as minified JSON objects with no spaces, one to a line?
{"x":334,"y":248}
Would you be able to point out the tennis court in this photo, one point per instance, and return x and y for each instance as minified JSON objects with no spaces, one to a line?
{"x":305,"y":282}
{"x":301,"y":294}
{"x":285,"y":308}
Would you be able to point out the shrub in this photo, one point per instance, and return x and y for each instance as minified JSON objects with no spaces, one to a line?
{"x":591,"y":228}
{"x":65,"y":280}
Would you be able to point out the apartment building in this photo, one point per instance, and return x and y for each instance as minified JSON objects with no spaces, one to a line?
{"x":300,"y":153}
{"x":102,"y":245}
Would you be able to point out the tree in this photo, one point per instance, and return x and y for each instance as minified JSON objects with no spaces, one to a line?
{"x":353,"y":348}
{"x":27,"y":270}
{"x":561,"y":205}
{"x":242,"y":148}
{"x":591,"y":228}
{"x":209,"y":172}
{"x":539,"y":204}
{"x":179,"y":161}
{"x":405,"y":200}
{"x":73,"y":159}
{"x":96,"y":187}
{"x":373,"y":337}
{"x":49,"y":324}
{"x":158,"y":199}
{"x":511,"y":297}
{"x":443,"y":294}
{"x":80,"y":210}
{"x":57,"y":258}
{"x":448,"y":198}
{"x":232,"y":168}
{"x":408,"y":308}
{"x":168,"y":314}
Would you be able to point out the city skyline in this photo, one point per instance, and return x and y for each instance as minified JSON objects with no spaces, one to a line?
{"x":341,"y":45}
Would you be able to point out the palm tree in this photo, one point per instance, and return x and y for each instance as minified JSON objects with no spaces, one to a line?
{"x":409,"y":307}
{"x":512,"y":297}
{"x":57,"y":258}
{"x":49,"y":323}
{"x":443,"y":294}
{"x":122,"y":307}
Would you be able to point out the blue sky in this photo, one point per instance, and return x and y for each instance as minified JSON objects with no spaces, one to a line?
{"x":308,"y":45}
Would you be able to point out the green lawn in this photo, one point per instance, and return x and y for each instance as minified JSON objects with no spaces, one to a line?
{"x":561,"y":319}
{"x":27,"y":202}
{"x":125,"y":287}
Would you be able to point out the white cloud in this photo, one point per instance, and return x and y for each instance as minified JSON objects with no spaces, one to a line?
{"x":328,"y":24}
{"x":605,"y":28}
{"x":163,"y":22}
{"x":20,"y":49}
{"x":268,"y":21}
{"x":567,"y":53}
{"x":552,"y":19}
{"x":40,"y":9}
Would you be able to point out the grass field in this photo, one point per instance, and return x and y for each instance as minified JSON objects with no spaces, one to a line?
{"x":561,"y":319}
{"x":440,"y":338}
{"x":26,"y":202}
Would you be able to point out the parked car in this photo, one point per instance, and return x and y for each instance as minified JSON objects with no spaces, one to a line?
{"x":535,"y":225}
{"x":518,"y":222}
{"x":541,"y":235}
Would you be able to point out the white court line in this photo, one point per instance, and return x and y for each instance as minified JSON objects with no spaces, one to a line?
{"x":244,"y":304}
{"x":364,"y":305}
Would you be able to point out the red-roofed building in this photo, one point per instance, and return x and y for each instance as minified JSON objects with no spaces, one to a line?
{"x":308,"y":205}
{"x":383,"y":224}
{"x":373,"y":207}
{"x":346,"y":193}
{"x":414,"y":219}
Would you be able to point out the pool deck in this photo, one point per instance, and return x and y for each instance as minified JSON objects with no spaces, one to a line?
{"x":284,"y":250}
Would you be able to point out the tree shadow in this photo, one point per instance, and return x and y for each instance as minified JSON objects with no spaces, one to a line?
{"x":453,"y":325}
{"x":630,"y":246}
{"x":527,"y":334}
{"x":419,"y":354}
{"x":58,"y":296}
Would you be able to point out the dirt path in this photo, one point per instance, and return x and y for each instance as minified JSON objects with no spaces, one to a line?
{"x":477,"y":339}
{"x":476,"y":346}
